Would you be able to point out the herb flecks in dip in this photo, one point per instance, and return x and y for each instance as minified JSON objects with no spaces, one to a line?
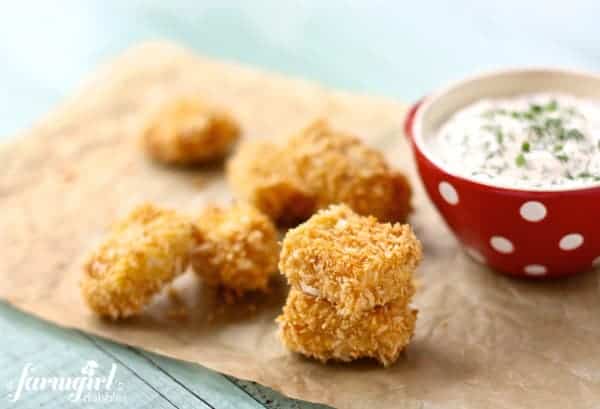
{"x":540,"y":141}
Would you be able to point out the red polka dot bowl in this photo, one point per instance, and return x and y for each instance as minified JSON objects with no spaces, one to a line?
{"x":525,"y":233}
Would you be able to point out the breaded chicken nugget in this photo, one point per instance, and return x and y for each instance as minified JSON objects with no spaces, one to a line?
{"x":352,"y":261}
{"x":238,"y":248}
{"x":339,"y":168}
{"x":143,"y":252}
{"x":315,"y":168}
{"x":312,"y":326}
{"x":261,"y":174}
{"x":186,"y":131}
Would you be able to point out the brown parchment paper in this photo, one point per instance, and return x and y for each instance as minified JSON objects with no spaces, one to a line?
{"x":482,"y":340}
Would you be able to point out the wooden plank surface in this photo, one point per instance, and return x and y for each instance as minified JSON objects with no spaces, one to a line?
{"x":147,"y":380}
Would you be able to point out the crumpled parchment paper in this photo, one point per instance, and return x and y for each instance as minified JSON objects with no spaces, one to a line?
{"x":482,"y":340}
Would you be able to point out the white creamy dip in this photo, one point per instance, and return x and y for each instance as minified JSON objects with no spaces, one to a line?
{"x":536,"y":141}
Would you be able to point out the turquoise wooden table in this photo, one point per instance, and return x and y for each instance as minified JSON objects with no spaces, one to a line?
{"x":398,"y":49}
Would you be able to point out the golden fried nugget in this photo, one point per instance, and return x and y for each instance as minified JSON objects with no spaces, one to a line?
{"x":142,"y":253}
{"x":339,"y":168}
{"x":238,"y":248}
{"x":315,"y":168}
{"x":312,"y":326}
{"x":350,"y":260}
{"x":187,"y":131}
{"x":261,"y":175}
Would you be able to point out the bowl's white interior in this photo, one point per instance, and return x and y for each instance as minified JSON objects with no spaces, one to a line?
{"x":439,"y":106}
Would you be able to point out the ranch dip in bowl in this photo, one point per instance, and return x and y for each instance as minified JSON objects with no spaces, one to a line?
{"x":511,"y":160}
{"x":534,"y":141}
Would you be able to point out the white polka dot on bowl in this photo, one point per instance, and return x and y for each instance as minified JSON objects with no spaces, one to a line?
{"x":535,"y":270}
{"x":533,"y":211}
{"x":502,"y":245}
{"x":596,"y":262}
{"x":475,"y":255}
{"x":449,"y":193}
{"x":571,"y":241}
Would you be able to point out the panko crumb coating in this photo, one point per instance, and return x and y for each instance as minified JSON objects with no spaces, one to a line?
{"x":187,"y":131}
{"x":350,"y":260}
{"x":312,"y":327}
{"x":141,"y":254}
{"x":317,"y":167}
{"x":339,"y":168}
{"x":261,"y":174}
{"x":238,"y":249}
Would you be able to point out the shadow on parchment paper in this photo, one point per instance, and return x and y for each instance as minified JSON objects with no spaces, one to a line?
{"x":213,"y":166}
{"x":418,"y":357}
{"x":194,"y":309}
{"x":400,"y":385}
{"x":196,"y":175}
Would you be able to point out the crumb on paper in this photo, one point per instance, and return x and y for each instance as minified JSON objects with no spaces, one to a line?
{"x":238,"y":249}
{"x":141,"y":254}
{"x":244,"y":301}
{"x":316,"y":167}
{"x":174,"y":296}
{"x":69,"y":174}
{"x":312,"y":327}
{"x":365,"y":265}
{"x":178,"y":311}
{"x":187,"y":131}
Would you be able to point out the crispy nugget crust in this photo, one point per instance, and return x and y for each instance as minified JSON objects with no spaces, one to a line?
{"x":260,"y":174}
{"x":315,"y":168}
{"x":339,"y":168}
{"x":146,"y":250}
{"x":350,"y":260}
{"x":187,"y":131}
{"x":312,"y":327}
{"x":238,"y":248}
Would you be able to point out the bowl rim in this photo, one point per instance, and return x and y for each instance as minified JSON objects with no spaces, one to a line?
{"x":420,"y":107}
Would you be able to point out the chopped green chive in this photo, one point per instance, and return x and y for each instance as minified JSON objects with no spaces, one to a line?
{"x":538,"y":130}
{"x":553,"y":123}
{"x":575,"y":134}
{"x":499,"y":137}
{"x":551,"y":106}
{"x":520,"y":160}
{"x":536,"y":109}
{"x":525,"y":147}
